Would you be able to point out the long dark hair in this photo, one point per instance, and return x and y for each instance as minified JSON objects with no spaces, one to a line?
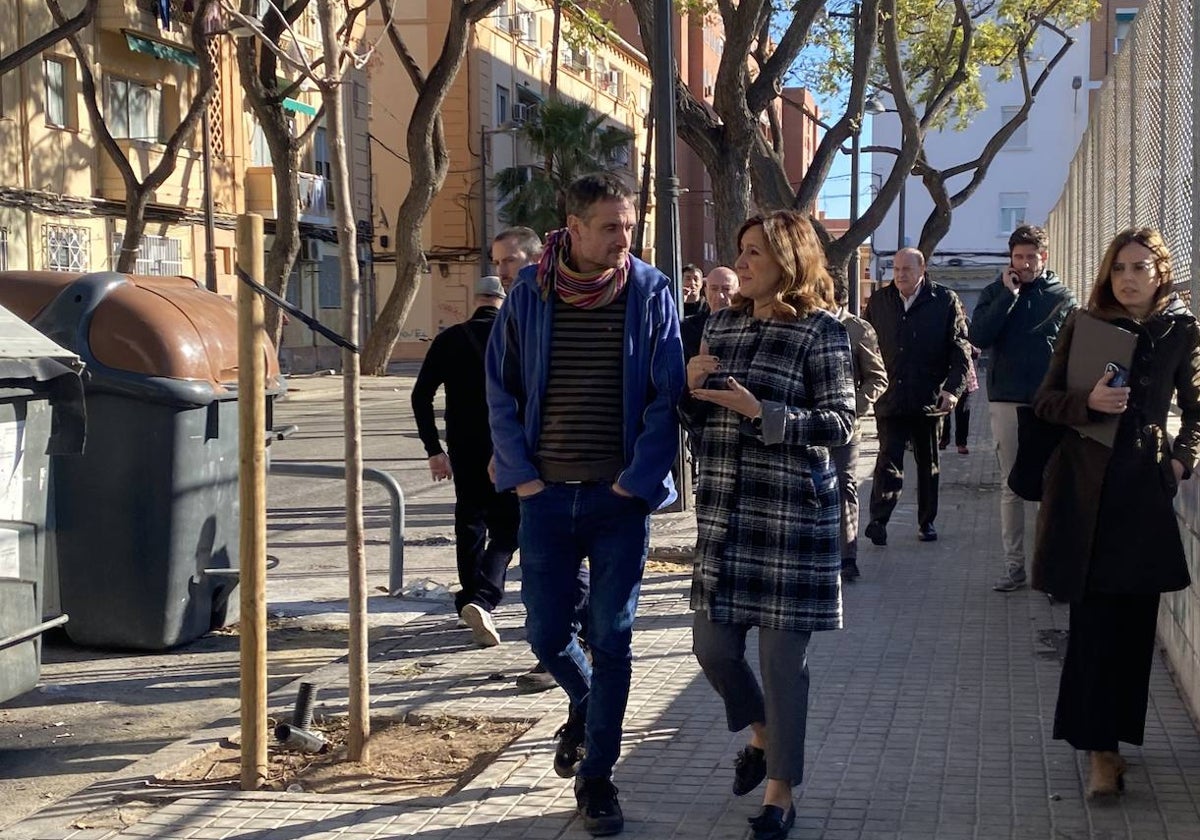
{"x":1103,"y":302}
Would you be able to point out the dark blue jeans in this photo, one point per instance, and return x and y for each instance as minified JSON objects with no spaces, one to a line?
{"x":559,"y":527}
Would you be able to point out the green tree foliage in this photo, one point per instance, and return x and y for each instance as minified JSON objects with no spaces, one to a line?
{"x":573,"y":140}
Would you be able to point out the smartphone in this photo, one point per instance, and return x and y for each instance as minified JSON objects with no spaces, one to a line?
{"x":1012,"y":277}
{"x":1120,"y":375}
{"x":717,"y":381}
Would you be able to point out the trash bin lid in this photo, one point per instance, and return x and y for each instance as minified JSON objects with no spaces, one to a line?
{"x":21,"y":342}
{"x":29,"y":360}
{"x":162,"y":327}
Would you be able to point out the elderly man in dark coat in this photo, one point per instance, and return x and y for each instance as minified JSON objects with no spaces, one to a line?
{"x":923,"y":336}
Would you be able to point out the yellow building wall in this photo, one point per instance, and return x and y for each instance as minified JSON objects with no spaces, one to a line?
{"x":452,"y":230}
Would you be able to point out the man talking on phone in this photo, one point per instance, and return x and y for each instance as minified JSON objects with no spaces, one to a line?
{"x":1016,"y":322}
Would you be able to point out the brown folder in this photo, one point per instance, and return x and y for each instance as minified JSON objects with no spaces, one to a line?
{"x":1094,"y":344}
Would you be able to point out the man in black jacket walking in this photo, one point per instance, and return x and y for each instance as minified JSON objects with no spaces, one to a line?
{"x":922,"y":335}
{"x":485,"y":522}
{"x":1017,"y":321}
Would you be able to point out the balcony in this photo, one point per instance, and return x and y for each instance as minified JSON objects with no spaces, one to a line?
{"x":184,"y":187}
{"x":315,"y":195}
{"x":141,"y":16}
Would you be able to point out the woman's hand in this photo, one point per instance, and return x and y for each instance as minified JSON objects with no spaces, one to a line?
{"x":1108,"y":400}
{"x":700,"y":367}
{"x":734,"y":397}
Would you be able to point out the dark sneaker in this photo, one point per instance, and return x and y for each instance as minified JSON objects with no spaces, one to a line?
{"x":876,"y":532}
{"x":598,"y":805}
{"x":534,"y":680}
{"x":927,"y":533}
{"x":749,"y":769}
{"x":850,"y":571}
{"x":1010,"y":581}
{"x":569,"y":751}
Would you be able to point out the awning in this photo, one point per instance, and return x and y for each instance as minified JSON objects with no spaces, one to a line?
{"x":299,"y":107}
{"x":159,"y":49}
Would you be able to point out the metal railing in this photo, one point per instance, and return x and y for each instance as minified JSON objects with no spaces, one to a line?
{"x":1137,"y":162}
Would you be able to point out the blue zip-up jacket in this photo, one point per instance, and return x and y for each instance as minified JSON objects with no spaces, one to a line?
{"x":653,"y":378}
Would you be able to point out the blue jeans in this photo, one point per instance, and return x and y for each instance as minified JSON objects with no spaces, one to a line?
{"x":559,"y":527}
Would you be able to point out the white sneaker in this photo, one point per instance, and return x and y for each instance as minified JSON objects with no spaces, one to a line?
{"x":483,"y":629}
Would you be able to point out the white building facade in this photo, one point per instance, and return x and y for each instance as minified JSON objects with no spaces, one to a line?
{"x":1022,"y":184}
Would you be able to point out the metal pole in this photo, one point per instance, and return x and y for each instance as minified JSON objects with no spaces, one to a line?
{"x":855,"y":272}
{"x":666,"y":192}
{"x":900,"y":215}
{"x":210,"y":254}
{"x":484,"y":251}
{"x":666,"y":195}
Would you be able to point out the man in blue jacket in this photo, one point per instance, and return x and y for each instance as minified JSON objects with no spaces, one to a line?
{"x":1017,"y":321}
{"x":584,"y":371}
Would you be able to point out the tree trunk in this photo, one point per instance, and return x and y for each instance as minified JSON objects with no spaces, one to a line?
{"x":428,"y":163}
{"x":332,"y":91}
{"x":731,"y":194}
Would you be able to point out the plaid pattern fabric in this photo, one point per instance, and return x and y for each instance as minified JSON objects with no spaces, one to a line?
{"x":767,"y":550}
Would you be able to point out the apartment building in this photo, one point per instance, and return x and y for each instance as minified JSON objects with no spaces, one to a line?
{"x":502,"y":82}
{"x":62,"y":198}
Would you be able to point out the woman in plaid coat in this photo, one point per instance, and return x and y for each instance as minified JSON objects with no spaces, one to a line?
{"x":770,"y":392}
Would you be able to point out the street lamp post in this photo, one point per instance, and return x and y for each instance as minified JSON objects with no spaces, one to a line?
{"x":485,"y":255}
{"x":210,"y":253}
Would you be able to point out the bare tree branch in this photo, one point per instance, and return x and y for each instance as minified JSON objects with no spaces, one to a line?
{"x":42,"y":42}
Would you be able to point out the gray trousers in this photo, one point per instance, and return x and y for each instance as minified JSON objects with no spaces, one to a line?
{"x":781,"y":704}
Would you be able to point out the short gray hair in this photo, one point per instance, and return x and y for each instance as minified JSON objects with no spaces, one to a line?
{"x":526,"y":239}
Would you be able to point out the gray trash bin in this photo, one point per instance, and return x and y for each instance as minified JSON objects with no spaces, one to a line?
{"x":41,"y":415}
{"x":147,"y":518}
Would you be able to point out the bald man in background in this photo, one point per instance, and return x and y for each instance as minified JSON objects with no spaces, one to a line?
{"x":720,"y":286}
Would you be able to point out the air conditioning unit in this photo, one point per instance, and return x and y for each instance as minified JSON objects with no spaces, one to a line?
{"x":514,"y":25}
{"x":310,"y":249}
{"x":523,"y":113}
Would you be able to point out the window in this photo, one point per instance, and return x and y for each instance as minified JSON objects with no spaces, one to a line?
{"x":329,"y":285}
{"x":1020,"y":137}
{"x":56,"y":92}
{"x":323,"y":164}
{"x":66,"y":248}
{"x":710,"y":252}
{"x":157,"y":255}
{"x":3,"y":249}
{"x":260,"y":152}
{"x":292,"y":293}
{"x":502,"y":113}
{"x":1123,"y":20}
{"x":132,"y":110}
{"x":527,"y":27}
{"x":1012,"y":211}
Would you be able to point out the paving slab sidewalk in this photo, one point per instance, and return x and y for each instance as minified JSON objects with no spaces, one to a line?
{"x":930,"y":717}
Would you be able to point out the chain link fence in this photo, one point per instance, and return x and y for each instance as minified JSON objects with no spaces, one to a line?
{"x":1137,"y":163}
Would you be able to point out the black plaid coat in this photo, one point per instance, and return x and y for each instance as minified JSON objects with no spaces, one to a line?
{"x":767,"y":500}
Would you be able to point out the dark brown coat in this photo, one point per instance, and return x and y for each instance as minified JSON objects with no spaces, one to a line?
{"x":1107,"y":521}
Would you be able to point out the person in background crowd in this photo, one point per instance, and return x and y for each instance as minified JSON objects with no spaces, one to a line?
{"x":770,"y":391}
{"x":923,"y":337}
{"x":720,"y":286}
{"x":512,"y":249}
{"x":693,"y":283}
{"x":1107,"y":534}
{"x":962,"y":409}
{"x":1016,"y":322}
{"x":870,"y":381}
{"x":485,"y":521}
{"x":585,"y":370}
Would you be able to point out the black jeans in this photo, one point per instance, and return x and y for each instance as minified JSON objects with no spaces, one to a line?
{"x":894,"y":433}
{"x":485,"y":532}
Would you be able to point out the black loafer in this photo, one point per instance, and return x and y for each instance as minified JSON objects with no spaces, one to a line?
{"x":771,"y":823}
{"x":850,"y":571}
{"x":749,"y":769}
{"x":927,"y":534}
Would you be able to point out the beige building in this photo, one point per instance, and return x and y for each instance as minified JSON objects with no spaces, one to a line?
{"x":505,"y":76}
{"x":62,"y":199}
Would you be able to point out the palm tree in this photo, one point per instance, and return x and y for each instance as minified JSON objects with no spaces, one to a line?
{"x":573,"y":140}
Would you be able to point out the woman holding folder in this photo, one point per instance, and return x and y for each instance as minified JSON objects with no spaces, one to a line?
{"x":1107,"y":538}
